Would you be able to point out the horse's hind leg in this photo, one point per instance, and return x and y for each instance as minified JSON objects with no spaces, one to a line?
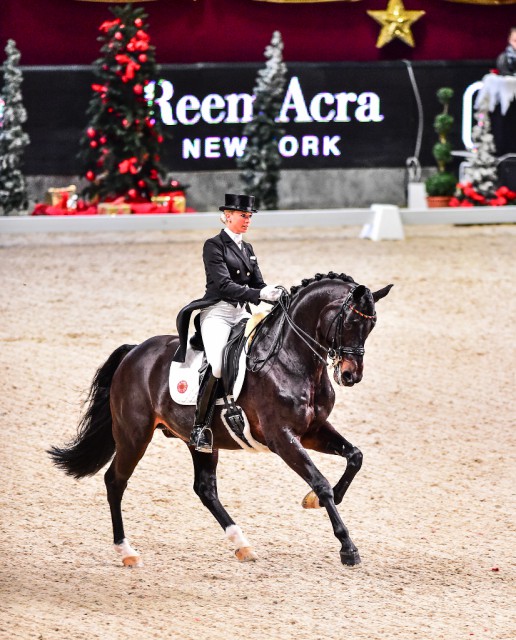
{"x":288,"y":447}
{"x":205,"y":486}
{"x":127,"y":456}
{"x":328,"y":440}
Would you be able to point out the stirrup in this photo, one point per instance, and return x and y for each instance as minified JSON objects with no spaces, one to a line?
{"x":202,"y":439}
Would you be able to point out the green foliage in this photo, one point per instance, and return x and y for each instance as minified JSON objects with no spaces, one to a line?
{"x":441,"y":184}
{"x":442,"y":153}
{"x":261,"y":161}
{"x":444,"y":95}
{"x":443,"y":124}
{"x":13,"y":140}
{"x":120,"y":148}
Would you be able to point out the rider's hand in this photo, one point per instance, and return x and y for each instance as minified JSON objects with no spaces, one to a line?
{"x":270,"y":293}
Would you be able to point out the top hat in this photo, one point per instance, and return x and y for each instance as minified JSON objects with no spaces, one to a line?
{"x":238,"y":203}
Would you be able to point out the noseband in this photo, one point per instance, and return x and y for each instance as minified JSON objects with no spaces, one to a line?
{"x":335,"y":352}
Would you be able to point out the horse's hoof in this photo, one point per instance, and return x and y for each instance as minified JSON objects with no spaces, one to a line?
{"x":310,"y":501}
{"x":246,"y":554}
{"x":350,"y":558}
{"x":132,"y":561}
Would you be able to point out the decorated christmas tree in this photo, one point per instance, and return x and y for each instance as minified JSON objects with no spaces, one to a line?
{"x":121,"y":145}
{"x":13,"y":140}
{"x":479,"y":188}
{"x":261,"y":160}
{"x":483,"y":170}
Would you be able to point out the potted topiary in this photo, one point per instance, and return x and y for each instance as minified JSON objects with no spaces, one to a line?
{"x":441,"y":186}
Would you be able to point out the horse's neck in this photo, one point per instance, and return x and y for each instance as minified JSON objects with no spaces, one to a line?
{"x":307,"y":308}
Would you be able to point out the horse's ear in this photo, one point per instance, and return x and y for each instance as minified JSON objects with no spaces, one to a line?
{"x":378,"y":295}
{"x":358,"y":292}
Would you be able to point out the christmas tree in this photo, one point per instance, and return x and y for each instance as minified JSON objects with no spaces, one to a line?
{"x":13,"y":140}
{"x":260,"y":162}
{"x":482,"y":172}
{"x":121,"y":146}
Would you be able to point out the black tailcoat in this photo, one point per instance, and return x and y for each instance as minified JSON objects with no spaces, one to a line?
{"x":232,"y":275}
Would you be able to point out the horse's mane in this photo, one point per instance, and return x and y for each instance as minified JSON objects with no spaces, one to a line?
{"x":320,"y":276}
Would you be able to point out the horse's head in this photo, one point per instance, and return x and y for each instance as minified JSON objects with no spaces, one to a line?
{"x":344,"y":325}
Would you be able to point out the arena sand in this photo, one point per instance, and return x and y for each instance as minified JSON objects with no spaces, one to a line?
{"x":431,"y":512}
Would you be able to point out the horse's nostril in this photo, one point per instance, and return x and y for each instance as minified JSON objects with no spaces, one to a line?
{"x":348,"y":376}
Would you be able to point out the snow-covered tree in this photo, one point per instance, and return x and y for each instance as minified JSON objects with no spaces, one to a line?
{"x":483,"y":170}
{"x":13,"y":140}
{"x":260,"y":163}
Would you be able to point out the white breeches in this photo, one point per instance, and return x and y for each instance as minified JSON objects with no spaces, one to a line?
{"x":216,"y":324}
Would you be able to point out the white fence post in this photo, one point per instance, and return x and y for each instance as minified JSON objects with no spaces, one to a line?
{"x":385,"y":225}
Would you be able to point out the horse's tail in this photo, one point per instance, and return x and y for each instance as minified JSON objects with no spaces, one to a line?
{"x":94,"y":445}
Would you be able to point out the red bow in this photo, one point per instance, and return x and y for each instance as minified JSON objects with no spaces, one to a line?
{"x":128,"y":166}
{"x":107,"y":25}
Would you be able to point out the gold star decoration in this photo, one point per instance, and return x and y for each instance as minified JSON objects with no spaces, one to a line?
{"x":396,"y":22}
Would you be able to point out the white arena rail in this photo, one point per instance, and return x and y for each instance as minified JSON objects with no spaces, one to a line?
{"x":379,"y":222}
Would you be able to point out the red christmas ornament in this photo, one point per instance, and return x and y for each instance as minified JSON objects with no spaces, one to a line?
{"x":160,"y":139}
{"x":138,"y":22}
{"x":132,"y":193}
{"x":93,"y":144}
{"x":138,"y":89}
{"x":125,"y":122}
{"x":90,"y":132}
{"x":103,"y":140}
{"x":142,"y":57}
{"x":118,"y":36}
{"x":141,"y":184}
{"x":90,"y":175}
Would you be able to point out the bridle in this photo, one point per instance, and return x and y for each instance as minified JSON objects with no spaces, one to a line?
{"x":335,"y":352}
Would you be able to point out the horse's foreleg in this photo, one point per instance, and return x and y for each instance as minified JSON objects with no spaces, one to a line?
{"x":288,"y":447}
{"x":205,"y":486}
{"x":328,"y":440}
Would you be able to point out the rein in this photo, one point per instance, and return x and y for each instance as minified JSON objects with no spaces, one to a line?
{"x":335,"y":352}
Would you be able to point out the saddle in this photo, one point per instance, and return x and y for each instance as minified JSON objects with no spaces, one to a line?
{"x":185,"y":378}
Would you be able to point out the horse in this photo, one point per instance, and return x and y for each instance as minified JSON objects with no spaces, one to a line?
{"x":326,"y":317}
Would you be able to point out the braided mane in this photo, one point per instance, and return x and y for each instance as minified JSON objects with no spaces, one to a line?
{"x":320,"y":276}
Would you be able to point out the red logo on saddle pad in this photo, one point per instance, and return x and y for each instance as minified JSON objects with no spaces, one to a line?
{"x":182,"y":386}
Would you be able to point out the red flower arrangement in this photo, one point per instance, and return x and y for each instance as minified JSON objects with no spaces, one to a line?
{"x":466,"y":196}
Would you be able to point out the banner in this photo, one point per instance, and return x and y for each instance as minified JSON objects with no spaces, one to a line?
{"x":343,"y":115}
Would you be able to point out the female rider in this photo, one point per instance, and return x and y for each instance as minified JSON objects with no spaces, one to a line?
{"x":233,"y":279}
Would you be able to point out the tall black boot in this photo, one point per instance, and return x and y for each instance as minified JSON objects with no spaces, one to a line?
{"x":202,"y":436}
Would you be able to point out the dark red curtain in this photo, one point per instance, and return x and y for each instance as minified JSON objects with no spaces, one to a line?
{"x":51,"y":32}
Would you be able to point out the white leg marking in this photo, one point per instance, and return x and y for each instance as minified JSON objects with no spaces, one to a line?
{"x":235,"y":535}
{"x":125,"y":551}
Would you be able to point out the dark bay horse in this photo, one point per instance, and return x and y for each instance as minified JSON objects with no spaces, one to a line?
{"x":327,"y":317}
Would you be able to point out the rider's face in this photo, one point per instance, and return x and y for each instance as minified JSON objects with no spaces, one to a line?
{"x":238,"y":221}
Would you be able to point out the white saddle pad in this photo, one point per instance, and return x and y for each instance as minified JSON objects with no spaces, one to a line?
{"x":184,"y":378}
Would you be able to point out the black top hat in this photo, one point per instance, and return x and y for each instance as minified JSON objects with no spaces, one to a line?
{"x":238,"y":203}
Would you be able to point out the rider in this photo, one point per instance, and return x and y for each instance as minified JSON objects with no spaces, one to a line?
{"x":233,"y":279}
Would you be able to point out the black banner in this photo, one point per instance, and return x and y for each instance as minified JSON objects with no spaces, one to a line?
{"x":339,"y":115}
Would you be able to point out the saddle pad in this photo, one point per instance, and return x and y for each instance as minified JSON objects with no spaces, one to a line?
{"x":184,"y":377}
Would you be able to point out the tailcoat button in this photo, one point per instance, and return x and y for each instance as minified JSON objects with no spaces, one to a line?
{"x":238,"y":271}
{"x":248,"y":273}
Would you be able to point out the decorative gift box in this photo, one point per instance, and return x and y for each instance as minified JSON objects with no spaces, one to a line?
{"x":113,"y":208}
{"x":60,"y":195}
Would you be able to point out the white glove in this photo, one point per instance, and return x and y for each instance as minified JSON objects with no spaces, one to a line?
{"x":270,"y":293}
